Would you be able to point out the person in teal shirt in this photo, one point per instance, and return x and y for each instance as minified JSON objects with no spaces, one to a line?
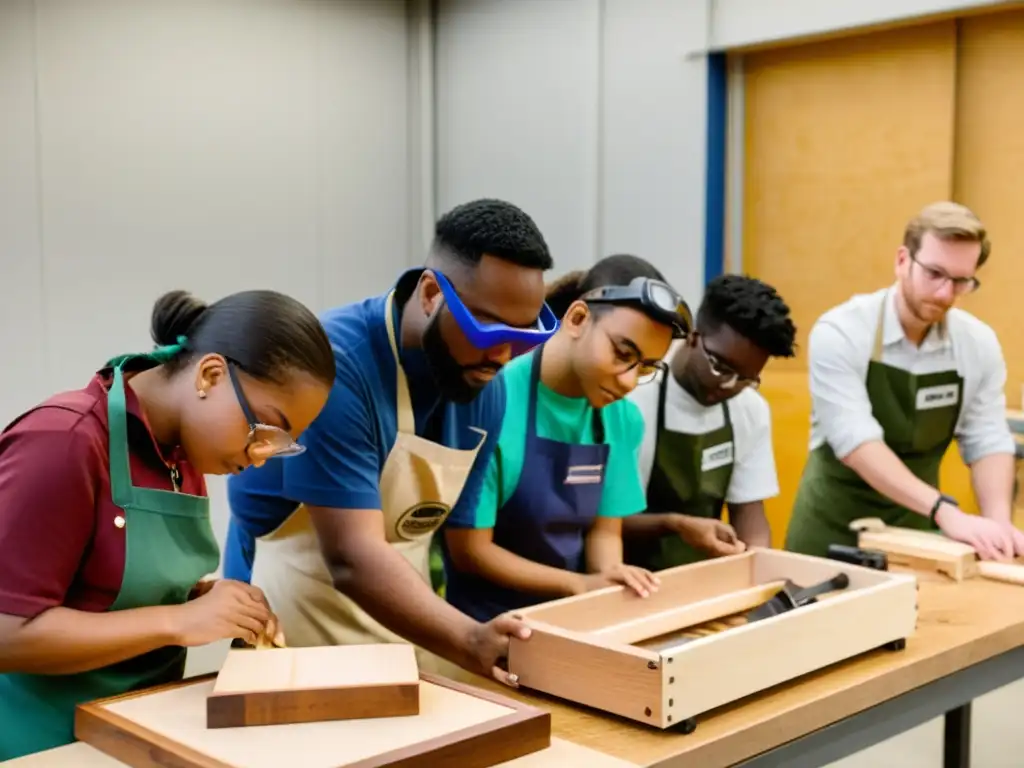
{"x":565,"y":469}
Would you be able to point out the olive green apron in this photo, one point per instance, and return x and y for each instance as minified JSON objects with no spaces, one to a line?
{"x":169,"y":547}
{"x":690,"y":475}
{"x":918,"y":414}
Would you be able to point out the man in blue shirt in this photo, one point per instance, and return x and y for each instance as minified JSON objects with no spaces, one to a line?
{"x":338,"y":537}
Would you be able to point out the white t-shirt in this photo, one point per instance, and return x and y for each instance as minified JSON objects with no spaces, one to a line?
{"x":753,"y":475}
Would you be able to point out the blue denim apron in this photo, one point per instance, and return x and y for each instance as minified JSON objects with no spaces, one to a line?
{"x":546,"y":519}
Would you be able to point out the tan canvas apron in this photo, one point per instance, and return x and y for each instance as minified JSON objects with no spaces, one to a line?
{"x":420,"y":483}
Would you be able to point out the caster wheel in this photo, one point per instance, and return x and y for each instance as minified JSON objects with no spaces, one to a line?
{"x":687,"y":726}
{"x":896,"y":645}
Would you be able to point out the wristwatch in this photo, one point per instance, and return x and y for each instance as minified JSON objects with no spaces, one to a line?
{"x":943,"y":499}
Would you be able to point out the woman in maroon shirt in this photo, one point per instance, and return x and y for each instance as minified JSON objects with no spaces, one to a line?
{"x":105,"y":533}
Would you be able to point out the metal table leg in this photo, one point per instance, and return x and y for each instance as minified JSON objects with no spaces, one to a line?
{"x":956,"y":743}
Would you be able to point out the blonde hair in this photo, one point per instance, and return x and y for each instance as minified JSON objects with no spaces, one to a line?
{"x":947,"y":221}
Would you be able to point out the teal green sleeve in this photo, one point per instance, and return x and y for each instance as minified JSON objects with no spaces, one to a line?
{"x":486,"y":511}
{"x":623,"y":492}
{"x":506,"y":463}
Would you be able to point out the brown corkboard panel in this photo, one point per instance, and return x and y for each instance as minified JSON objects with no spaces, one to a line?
{"x":844,"y":141}
{"x":988,"y":171}
{"x":459,"y":726}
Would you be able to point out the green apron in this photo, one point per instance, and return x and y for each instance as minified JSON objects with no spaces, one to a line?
{"x":169,"y":547}
{"x":690,"y":475}
{"x":918,"y":413}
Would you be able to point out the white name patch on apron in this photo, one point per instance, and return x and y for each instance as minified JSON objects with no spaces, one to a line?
{"x":942,"y":396}
{"x":716,"y":456}
{"x":584,"y":474}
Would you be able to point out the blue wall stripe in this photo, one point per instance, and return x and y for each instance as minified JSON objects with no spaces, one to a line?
{"x":714,"y":179}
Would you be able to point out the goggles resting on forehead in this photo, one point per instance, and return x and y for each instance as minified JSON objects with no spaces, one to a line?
{"x":654,"y":297}
{"x":487,"y":335}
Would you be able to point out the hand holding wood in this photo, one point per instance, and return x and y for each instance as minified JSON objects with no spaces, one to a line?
{"x":228,"y":610}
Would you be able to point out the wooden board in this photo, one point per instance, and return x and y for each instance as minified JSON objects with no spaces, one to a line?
{"x":932,"y":551}
{"x":278,"y":686}
{"x":569,"y":656}
{"x":458,"y":727}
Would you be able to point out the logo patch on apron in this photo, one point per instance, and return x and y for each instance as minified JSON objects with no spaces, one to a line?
{"x":421,"y":520}
{"x":584,"y":474}
{"x":941,"y":396}
{"x":716,"y":456}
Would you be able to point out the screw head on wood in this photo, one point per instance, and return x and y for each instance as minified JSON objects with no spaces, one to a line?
{"x":652,"y":665}
{"x":647,"y":711}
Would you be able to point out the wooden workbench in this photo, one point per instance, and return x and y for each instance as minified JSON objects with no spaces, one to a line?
{"x":961,"y":626}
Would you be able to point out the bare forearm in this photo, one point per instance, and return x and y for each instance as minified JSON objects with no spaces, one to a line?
{"x":383,"y":583}
{"x":63,"y":641}
{"x":751,"y":524}
{"x":992,"y":478}
{"x":882,"y":469}
{"x":499,"y":566}
{"x":648,"y":525}
{"x":604,"y":551}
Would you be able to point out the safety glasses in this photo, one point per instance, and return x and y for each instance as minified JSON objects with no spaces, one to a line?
{"x":280,"y":443}
{"x":727,"y":377}
{"x":658,"y":299}
{"x":488,"y":335}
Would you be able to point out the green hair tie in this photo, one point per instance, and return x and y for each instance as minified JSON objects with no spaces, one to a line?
{"x":168,"y":352}
{"x":160,"y":355}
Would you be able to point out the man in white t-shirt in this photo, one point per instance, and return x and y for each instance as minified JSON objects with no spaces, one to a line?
{"x":708,"y":436}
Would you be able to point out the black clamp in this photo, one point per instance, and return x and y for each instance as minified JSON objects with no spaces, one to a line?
{"x":869,"y":558}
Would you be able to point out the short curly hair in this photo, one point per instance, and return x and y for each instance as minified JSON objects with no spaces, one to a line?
{"x":493,"y":227}
{"x":751,"y":308}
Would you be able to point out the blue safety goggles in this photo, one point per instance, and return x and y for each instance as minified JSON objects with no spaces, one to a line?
{"x":488,"y":335}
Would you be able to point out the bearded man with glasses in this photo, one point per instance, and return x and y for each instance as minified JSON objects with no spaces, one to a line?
{"x":708,"y":438}
{"x":895,"y":377}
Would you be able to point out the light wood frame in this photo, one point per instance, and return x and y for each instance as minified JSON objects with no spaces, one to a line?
{"x":581,"y":647}
{"x":524,"y":731}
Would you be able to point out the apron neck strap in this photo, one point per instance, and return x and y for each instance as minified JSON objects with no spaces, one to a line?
{"x":662,"y":388}
{"x":406,"y":421}
{"x":876,"y":353}
{"x":117,"y":418}
{"x":121,"y":488}
{"x":597,"y":421}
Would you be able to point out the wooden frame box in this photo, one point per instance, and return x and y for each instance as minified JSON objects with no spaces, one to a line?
{"x":458,"y":726}
{"x":590,"y":649}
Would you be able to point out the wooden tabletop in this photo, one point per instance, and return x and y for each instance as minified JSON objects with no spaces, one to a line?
{"x":959,"y":625}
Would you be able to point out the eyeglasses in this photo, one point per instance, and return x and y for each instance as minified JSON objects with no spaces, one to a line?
{"x":280,"y":443}
{"x":488,"y":335}
{"x":936,"y":279}
{"x":628,"y":359}
{"x":655,"y":297}
{"x":727,"y":377}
